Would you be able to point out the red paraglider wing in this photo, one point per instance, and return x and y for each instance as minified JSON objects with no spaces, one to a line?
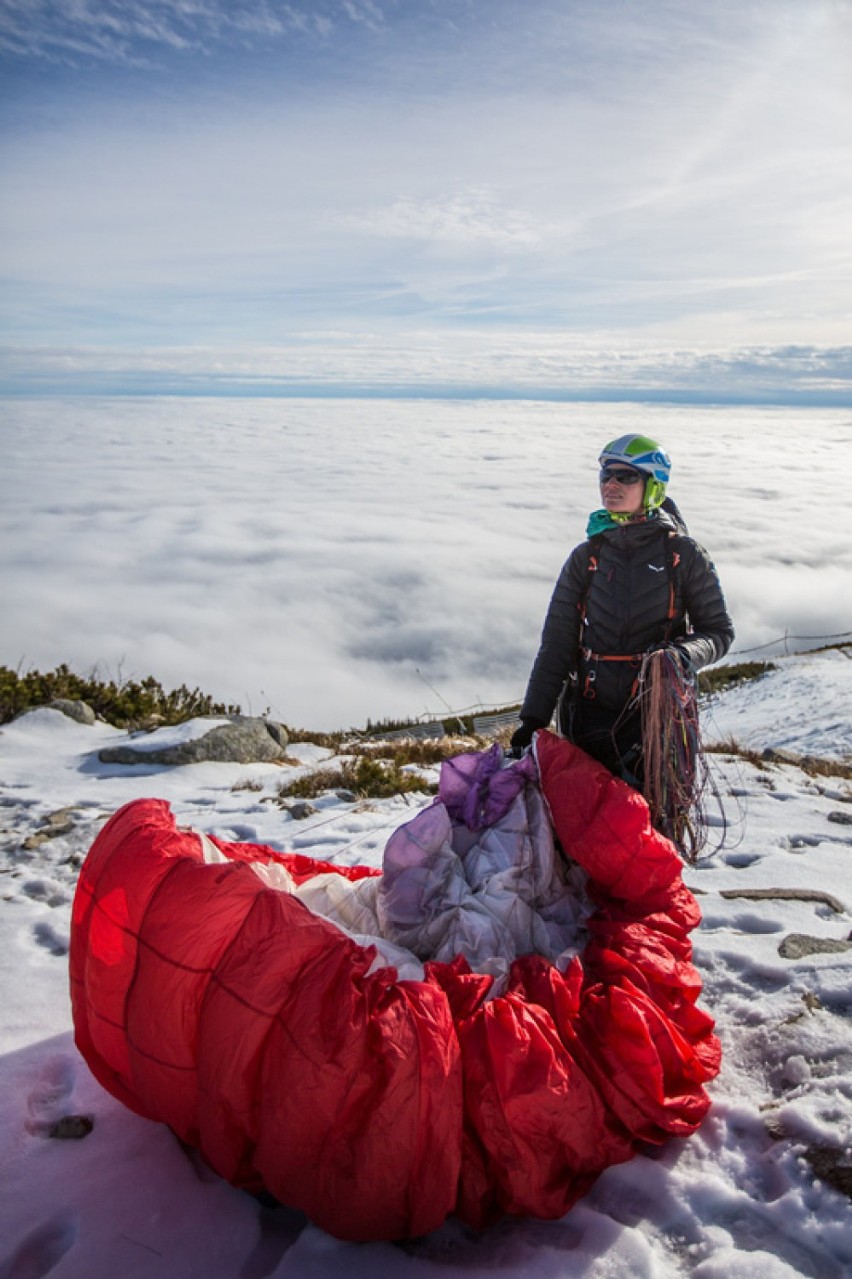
{"x":273,"y":1041}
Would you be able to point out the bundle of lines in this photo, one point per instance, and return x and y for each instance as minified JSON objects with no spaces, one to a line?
{"x":675,"y":774}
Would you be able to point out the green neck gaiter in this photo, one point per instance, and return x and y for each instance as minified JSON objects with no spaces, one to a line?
{"x":600,"y":521}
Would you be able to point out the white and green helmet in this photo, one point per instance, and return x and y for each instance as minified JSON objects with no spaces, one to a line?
{"x":643,"y":454}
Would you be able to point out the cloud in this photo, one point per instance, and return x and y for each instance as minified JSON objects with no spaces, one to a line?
{"x":467,"y":218}
{"x":669,"y":171}
{"x":130,"y":33}
{"x":339,"y":560}
{"x":536,"y":364}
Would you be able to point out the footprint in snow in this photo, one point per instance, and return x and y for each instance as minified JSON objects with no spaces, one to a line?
{"x":741,"y":861}
{"x":239,"y":833}
{"x":46,"y":890}
{"x":47,"y":1100}
{"x":52,"y":939}
{"x":748,"y":922}
{"x":41,"y":1250}
{"x":754,"y":924}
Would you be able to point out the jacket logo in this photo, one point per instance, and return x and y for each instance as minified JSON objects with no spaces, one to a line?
{"x":658,"y":568}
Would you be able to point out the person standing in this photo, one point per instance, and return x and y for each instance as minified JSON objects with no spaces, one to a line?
{"x":638,"y":583}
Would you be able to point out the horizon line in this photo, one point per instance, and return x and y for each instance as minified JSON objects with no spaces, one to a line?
{"x":789,"y":398}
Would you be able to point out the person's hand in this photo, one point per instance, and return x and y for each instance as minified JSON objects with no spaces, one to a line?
{"x":522,"y":737}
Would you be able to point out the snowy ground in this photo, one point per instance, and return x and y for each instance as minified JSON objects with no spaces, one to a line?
{"x":760,"y":1192}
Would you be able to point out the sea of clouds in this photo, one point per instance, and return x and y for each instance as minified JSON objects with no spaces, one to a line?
{"x":334,"y":560}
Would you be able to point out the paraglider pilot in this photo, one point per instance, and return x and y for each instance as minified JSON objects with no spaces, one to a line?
{"x":638,"y":584}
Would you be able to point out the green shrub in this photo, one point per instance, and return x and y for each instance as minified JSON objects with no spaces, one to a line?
{"x":719,"y":677}
{"x":129,"y":704}
{"x":365,"y":777}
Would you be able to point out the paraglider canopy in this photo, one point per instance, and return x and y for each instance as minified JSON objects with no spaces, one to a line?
{"x":222,"y":989}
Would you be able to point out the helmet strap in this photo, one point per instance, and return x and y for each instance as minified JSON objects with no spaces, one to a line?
{"x":655,"y":491}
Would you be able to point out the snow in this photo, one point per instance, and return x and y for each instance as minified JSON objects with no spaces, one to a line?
{"x":176,"y":734}
{"x":759,"y":721}
{"x":751,"y":1195}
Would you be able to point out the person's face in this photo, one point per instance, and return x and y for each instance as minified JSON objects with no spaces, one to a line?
{"x":622,"y":488}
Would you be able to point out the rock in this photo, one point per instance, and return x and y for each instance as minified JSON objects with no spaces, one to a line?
{"x":35,"y":841}
{"x":300,"y":810}
{"x":278,"y":732}
{"x":842,"y":819}
{"x":71,"y":707}
{"x":244,"y":739}
{"x":779,"y":755}
{"x":832,"y":1166}
{"x":797,"y":945}
{"x":786,"y":895}
{"x":828,"y":1163}
{"x":55,"y":824}
{"x":74,"y":709}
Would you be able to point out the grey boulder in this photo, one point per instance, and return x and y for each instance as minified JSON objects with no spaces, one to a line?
{"x":798,"y":945}
{"x":73,"y":707}
{"x":245,"y":739}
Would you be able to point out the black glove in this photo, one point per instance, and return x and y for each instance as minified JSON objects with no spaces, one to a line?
{"x":522,"y":737}
{"x":676,"y":651}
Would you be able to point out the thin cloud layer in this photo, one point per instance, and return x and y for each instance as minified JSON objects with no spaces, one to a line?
{"x":113,"y":31}
{"x":466,"y":218}
{"x":233,"y":176}
{"x":474,"y":364}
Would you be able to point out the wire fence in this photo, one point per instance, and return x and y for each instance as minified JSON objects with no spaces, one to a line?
{"x":487,"y":721}
{"x":786,"y":639}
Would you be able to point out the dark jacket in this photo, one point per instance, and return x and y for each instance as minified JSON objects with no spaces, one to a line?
{"x":625,"y":613}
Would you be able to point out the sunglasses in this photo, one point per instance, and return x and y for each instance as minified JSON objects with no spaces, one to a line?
{"x":620,"y":474}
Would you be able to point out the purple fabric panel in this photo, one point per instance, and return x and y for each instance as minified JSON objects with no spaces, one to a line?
{"x":478,"y":791}
{"x":412,"y":844}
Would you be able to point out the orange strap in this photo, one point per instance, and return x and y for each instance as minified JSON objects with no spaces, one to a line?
{"x":591,"y":673}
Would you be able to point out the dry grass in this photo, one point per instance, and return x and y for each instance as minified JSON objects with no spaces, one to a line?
{"x":365,"y":777}
{"x":328,"y":741}
{"x":425,"y":752}
{"x":813,"y":765}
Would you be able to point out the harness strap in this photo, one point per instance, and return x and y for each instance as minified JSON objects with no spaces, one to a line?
{"x":591,"y":659}
{"x":672,"y":564}
{"x":589,"y":656}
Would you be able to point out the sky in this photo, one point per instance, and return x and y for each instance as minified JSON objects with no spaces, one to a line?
{"x":585,"y":199}
{"x":742,"y":1198}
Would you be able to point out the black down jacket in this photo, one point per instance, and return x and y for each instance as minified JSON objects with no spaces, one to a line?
{"x":627,"y":603}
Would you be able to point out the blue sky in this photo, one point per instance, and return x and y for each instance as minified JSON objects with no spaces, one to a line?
{"x":573,"y":197}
